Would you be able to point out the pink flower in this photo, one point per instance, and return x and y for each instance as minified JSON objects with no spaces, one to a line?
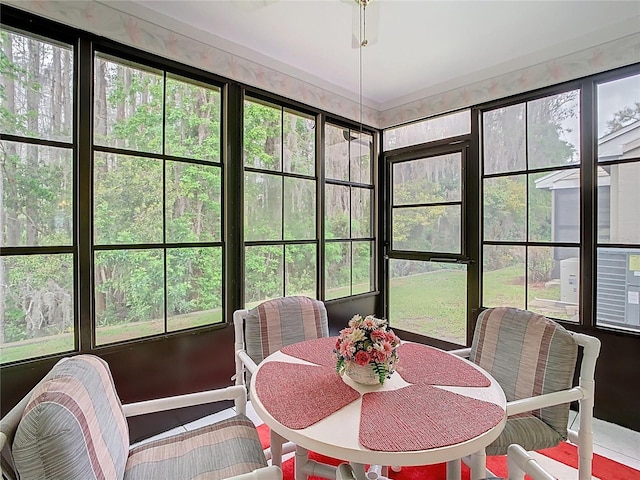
{"x":369,"y":323}
{"x":362,"y":358}
{"x":346,"y":348}
{"x":379,"y":356}
{"x":378,"y":335}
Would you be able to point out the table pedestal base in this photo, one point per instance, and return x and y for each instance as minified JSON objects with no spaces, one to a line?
{"x":304,"y":467}
{"x":478,"y":465}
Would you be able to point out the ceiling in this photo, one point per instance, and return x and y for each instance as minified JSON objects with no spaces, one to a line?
{"x":417,"y":48}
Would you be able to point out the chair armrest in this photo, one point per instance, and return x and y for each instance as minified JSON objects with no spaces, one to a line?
{"x":236,"y":393}
{"x":461,"y":352}
{"x":248,"y":362}
{"x":546,"y":400}
{"x":265,"y":473}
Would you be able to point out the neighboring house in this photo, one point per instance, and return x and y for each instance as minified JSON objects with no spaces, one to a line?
{"x":618,"y":217}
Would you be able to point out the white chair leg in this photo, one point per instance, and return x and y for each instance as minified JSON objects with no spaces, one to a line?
{"x":515,"y":472}
{"x":520,"y":462}
{"x":585,"y":439}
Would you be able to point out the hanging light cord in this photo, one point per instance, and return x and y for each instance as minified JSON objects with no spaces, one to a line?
{"x":363,"y":43}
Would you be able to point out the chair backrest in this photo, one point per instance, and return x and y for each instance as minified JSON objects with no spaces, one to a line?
{"x":529,"y":355}
{"x":72,"y":425}
{"x":282,"y":321}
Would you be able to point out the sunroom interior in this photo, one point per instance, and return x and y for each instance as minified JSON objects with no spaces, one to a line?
{"x":155,"y":181}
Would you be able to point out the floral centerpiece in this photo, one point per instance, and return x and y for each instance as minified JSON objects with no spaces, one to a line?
{"x":368,"y":343}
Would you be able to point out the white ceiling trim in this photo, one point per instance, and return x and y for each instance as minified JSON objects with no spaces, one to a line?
{"x":614,"y":54}
{"x":137,"y":32}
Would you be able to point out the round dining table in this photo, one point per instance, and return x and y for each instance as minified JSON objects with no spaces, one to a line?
{"x":436,"y":407}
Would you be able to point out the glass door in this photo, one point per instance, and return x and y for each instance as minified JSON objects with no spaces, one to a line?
{"x":426,"y":253}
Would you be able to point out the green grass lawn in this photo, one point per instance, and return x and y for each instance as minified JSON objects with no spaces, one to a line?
{"x":432,"y":304}
{"x":36,"y":347}
{"x":435,"y":303}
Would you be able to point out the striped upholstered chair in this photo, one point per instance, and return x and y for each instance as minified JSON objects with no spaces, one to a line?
{"x":72,"y":426}
{"x":534,"y":360}
{"x":267,"y":328}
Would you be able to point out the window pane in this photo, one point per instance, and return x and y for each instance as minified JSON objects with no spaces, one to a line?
{"x":360,"y":212}
{"x":553,"y":130}
{"x":262,"y":136}
{"x":618,"y":288}
{"x":127,"y":106}
{"x":263,"y":268}
{"x":360,"y":153}
{"x":127,"y":199}
{"x":338,"y":208}
{"x":193,"y":203}
{"x":445,"y":126}
{"x":604,"y":205}
{"x":37,"y":195}
{"x":336,"y":150}
{"x":505,"y":208}
{"x":618,"y":127}
{"x":299,"y":209}
{"x":618,"y":200}
{"x":38,"y":306}
{"x":503,"y":276}
{"x":262,"y":206}
{"x":363,"y":273}
{"x":429,"y":299}
{"x":554,"y":206}
{"x":337,"y":269}
{"x":301,"y":274}
{"x":503,"y":138}
{"x":192,"y":121}
{"x":194,"y":287}
{"x":428,"y":180}
{"x":129,"y":294}
{"x":553,"y":279}
{"x":36,"y":80}
{"x":299,"y":143}
{"x":427,"y":229}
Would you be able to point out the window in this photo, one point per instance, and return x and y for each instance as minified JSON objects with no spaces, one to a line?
{"x":37,"y":258}
{"x":279,"y":202}
{"x":157,"y":202}
{"x":349,"y":243}
{"x":429,"y":130}
{"x":618,"y":178}
{"x":531,"y":205}
{"x":427,"y":268}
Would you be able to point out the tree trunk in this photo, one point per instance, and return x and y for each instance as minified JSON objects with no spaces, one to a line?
{"x":31,"y":209}
{"x":57,"y":88}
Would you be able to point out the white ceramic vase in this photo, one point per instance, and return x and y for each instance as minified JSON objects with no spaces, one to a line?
{"x":364,"y":374}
